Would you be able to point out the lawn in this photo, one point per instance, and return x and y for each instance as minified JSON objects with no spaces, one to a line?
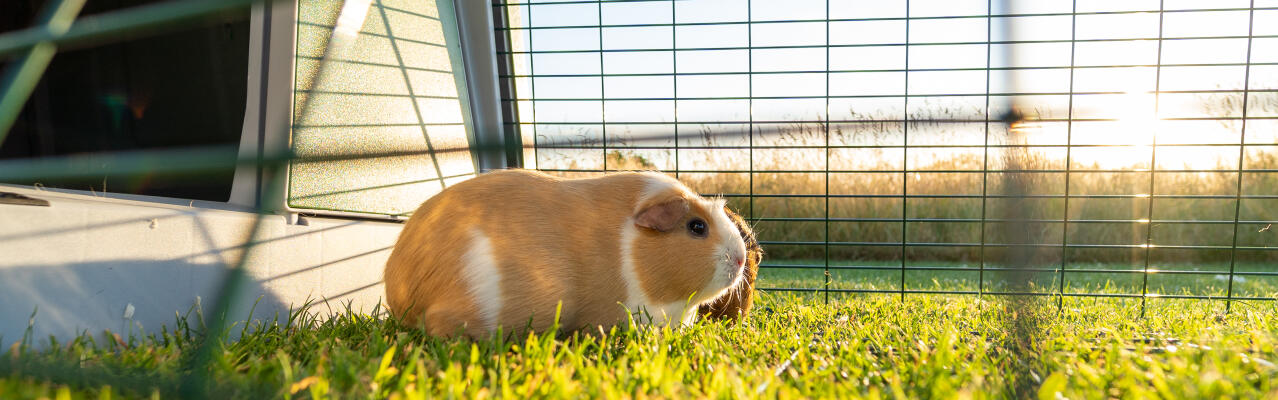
{"x":793,"y":345}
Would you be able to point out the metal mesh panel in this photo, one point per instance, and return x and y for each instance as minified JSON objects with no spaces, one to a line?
{"x":876,"y":145}
{"x":392,"y":90}
{"x":1104,"y":148}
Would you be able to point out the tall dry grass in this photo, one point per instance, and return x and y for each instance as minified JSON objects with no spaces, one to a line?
{"x":875,"y":171}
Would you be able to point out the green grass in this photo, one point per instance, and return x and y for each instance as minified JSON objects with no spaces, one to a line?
{"x":857,"y":346}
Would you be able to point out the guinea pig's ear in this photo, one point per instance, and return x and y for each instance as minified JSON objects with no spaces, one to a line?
{"x":662,"y":216}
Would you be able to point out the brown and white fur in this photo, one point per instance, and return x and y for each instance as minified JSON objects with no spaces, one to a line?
{"x":509,"y":248}
{"x":735,"y":304}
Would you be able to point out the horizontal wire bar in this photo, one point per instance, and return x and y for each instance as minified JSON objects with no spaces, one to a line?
{"x":178,"y":161}
{"x":169,"y":161}
{"x":372,"y":64}
{"x":1000,"y":196}
{"x":404,"y":11}
{"x":898,"y":268}
{"x":1014,"y":245}
{"x":505,"y":4}
{"x":900,"y":44}
{"x":868,"y":121}
{"x":369,"y":94}
{"x":842,"y":71}
{"x":888,"y":146}
{"x":296,"y":126}
{"x":120,"y":25}
{"x":1002,"y":269}
{"x":175,"y":161}
{"x":944,"y":171}
{"x":870,"y":19}
{"x":903,"y":95}
{"x":517,"y":29}
{"x":1000,"y":293}
{"x":1002,"y":220}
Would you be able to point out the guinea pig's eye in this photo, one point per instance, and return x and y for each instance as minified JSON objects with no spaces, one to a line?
{"x":697,"y":227}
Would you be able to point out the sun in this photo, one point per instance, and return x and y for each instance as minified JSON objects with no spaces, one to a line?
{"x":1134,"y":132}
{"x":1129,"y":129}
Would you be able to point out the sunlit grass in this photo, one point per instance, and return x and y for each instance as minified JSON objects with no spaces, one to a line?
{"x":873,"y":346}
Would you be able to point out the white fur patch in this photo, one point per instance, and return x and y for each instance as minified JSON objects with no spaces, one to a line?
{"x":732,"y":243}
{"x":635,"y":296}
{"x":658,"y":184}
{"x":481,"y":274}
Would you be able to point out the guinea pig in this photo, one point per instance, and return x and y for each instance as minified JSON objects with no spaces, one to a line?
{"x":513,"y":248}
{"x":736,"y":302}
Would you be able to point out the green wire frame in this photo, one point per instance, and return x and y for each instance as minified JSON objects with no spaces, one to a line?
{"x":29,"y":52}
{"x":513,"y":100}
{"x":58,"y":26}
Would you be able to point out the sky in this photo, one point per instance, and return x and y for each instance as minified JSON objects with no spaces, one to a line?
{"x":1202,"y":75}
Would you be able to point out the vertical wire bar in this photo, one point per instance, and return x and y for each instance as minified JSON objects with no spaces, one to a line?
{"x":985,"y":160}
{"x":1069,"y":142}
{"x":513,"y":131}
{"x":532,"y":89}
{"x":750,"y":98}
{"x":23,"y":73}
{"x":1242,"y":153}
{"x":674,"y":79}
{"x":1020,"y":310}
{"x":1153,"y":165}
{"x":206,"y":351}
{"x":905,"y":149}
{"x":273,"y":174}
{"x":827,"y":151}
{"x":603,"y":96}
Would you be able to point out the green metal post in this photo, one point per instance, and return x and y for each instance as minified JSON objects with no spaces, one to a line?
{"x":21,"y":77}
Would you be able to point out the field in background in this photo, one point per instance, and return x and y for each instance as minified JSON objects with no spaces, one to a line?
{"x":885,"y":277}
{"x":785,"y":153}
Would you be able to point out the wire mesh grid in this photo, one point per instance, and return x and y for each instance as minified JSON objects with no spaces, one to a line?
{"x":953,"y":104}
{"x":1029,"y":204}
{"x":520,"y":65}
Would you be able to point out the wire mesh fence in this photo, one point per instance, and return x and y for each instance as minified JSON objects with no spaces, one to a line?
{"x":1036,"y":150}
{"x":908,"y":163}
{"x":878,"y":147}
{"x":876,"y":196}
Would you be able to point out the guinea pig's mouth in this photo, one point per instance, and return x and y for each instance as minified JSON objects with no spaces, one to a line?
{"x":727,"y":275}
{"x":735,"y":271}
